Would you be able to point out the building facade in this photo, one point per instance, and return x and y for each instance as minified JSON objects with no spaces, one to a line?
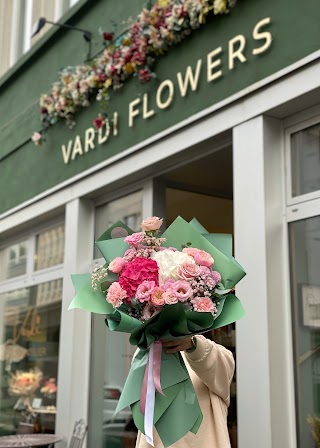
{"x":228,"y":132}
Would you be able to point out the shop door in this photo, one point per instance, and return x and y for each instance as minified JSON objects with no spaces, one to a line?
{"x":304,"y":237}
{"x":204,"y":189}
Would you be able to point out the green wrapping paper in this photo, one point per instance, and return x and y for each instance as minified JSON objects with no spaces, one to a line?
{"x":177,"y":411}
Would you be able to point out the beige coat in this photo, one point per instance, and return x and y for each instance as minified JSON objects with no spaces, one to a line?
{"x":211,"y":368}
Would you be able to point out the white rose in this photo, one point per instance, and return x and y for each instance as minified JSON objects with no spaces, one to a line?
{"x":168,"y":262}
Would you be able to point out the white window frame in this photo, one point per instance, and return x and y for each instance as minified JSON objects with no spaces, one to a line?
{"x":32,"y":277}
{"x":311,"y":121}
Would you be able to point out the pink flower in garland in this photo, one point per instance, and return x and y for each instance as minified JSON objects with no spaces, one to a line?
{"x":137,"y":271}
{"x":98,"y":122}
{"x":145,"y":75}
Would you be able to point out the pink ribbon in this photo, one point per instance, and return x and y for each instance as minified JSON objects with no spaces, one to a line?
{"x":156,"y":368}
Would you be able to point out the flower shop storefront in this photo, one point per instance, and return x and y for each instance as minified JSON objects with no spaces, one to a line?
{"x":206,"y":109}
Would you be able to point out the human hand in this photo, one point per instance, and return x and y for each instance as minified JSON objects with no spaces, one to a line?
{"x":177,"y":345}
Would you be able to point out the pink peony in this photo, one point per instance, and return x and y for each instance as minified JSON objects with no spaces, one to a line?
{"x":116,"y":295}
{"x":152,"y":223}
{"x":188,"y":271}
{"x":149,"y":311}
{"x":190,"y":251}
{"x":117,"y":265}
{"x":144,"y":291}
{"x":203,"y":258}
{"x":157,"y":296}
{"x":181,"y":290}
{"x":169,"y":297}
{"x":134,"y":239}
{"x":135,"y":272}
{"x":203,"y":305}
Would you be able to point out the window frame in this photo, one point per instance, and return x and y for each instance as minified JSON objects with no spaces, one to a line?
{"x":32,"y":277}
{"x":300,"y":126}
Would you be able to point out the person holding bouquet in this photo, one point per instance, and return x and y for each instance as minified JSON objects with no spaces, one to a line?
{"x":211,"y":368}
{"x":166,"y":291}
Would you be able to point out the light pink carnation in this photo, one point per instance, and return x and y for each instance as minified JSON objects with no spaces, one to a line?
{"x":149,"y":311}
{"x":190,"y":251}
{"x":134,"y":239}
{"x":157,"y":296}
{"x":216,"y":276}
{"x":203,"y":258}
{"x":203,"y":305}
{"x":152,"y":223}
{"x":188,"y":271}
{"x":144,"y":291}
{"x":116,"y":295}
{"x":169,"y":297}
{"x":117,"y":265}
{"x":182,"y":290}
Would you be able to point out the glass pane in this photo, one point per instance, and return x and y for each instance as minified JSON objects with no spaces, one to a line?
{"x":305,"y":286}
{"x":29,"y":349}
{"x":49,"y":248}
{"x":111,"y":359}
{"x":127,"y":209}
{"x":305,"y":157}
{"x":13,"y":260}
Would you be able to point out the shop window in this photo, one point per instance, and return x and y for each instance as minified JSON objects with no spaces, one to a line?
{"x":305,"y":160}
{"x":127,"y":209}
{"x":49,"y":248}
{"x":29,"y":332}
{"x":30,"y":313}
{"x":13,"y":260}
{"x":305,"y":291}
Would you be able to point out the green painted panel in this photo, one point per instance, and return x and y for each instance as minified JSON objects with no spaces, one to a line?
{"x":44,"y":167}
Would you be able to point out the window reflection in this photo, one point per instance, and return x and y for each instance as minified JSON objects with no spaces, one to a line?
{"x":49,"y":248}
{"x":29,"y":348}
{"x":305,"y":160}
{"x":127,"y":209}
{"x":13,"y":260}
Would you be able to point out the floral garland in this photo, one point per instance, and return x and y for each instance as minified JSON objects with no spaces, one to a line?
{"x":157,"y":29}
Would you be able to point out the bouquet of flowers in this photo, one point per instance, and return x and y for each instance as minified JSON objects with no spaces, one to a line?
{"x":162,"y":288}
{"x":24,"y":383}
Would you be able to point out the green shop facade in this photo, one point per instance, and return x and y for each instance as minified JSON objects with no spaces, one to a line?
{"x":229,"y":132}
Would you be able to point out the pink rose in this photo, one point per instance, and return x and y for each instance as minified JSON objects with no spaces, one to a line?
{"x":149,"y":311}
{"x":188,"y":271}
{"x":169,"y":297}
{"x":157,"y":296}
{"x":117,"y":265}
{"x":134,"y":239}
{"x":190,"y":251}
{"x":135,"y":272}
{"x":116,"y":295}
{"x":181,"y":290}
{"x":144,"y":291}
{"x":203,"y":258}
{"x":152,"y":223}
{"x":203,"y":305}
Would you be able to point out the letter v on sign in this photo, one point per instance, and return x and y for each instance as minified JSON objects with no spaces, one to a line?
{"x":66,"y":151}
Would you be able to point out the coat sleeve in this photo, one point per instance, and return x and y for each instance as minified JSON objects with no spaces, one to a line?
{"x":214,"y":365}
